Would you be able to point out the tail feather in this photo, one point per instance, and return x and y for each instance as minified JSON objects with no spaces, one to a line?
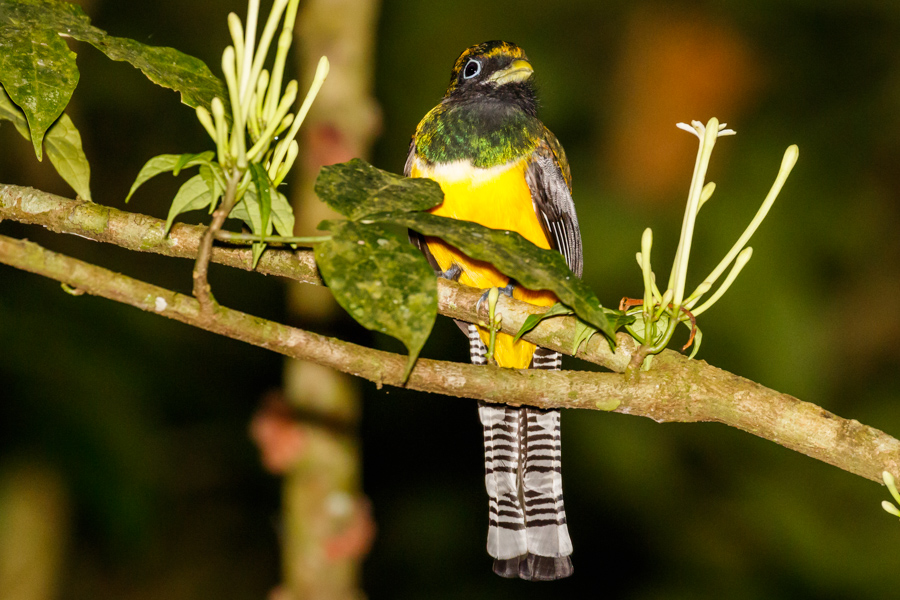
{"x":547,"y":532}
{"x":506,"y":531}
{"x":527,"y":532}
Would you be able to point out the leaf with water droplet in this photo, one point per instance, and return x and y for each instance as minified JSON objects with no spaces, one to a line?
{"x":166,"y":67}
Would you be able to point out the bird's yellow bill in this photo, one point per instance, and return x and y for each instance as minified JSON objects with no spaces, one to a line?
{"x":518,"y":70}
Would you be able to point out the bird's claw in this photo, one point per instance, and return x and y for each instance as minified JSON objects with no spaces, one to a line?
{"x":506,"y":290}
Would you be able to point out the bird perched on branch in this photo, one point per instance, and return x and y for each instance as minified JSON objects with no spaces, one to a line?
{"x":499,"y":166}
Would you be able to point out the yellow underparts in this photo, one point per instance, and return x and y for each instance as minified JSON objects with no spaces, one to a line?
{"x":498,"y":198}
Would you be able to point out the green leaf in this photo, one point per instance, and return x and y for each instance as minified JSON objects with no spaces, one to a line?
{"x":240,"y":211}
{"x":282,"y":214}
{"x":532,"y":320}
{"x":257,"y":249}
{"x":11,"y":112}
{"x":64,"y":150}
{"x":261,"y":183}
{"x":516,"y":257}
{"x":190,"y":160}
{"x":381,"y":280}
{"x":583,"y":332}
{"x":63,"y":144}
{"x":619,"y":318}
{"x":356,"y":189}
{"x":38,"y":71}
{"x":362,"y":192}
{"x":193,"y":195}
{"x":247,"y":209}
{"x":638,"y":328}
{"x":250,"y":210}
{"x":698,"y":339}
{"x":168,"y":162}
{"x":164,"y":66}
{"x":210,"y":173}
{"x":58,"y":14}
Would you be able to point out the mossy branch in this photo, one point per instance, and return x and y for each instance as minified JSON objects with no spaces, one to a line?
{"x":674,"y":390}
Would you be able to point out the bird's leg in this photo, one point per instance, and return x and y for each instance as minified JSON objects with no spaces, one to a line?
{"x":506,"y":290}
{"x":452,"y":273}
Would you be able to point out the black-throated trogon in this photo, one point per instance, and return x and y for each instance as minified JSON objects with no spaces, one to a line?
{"x":499,"y":166}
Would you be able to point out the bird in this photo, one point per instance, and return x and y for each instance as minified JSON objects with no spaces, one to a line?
{"x":499,"y":166}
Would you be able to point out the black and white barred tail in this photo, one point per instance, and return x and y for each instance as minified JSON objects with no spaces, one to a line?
{"x":527,"y":532}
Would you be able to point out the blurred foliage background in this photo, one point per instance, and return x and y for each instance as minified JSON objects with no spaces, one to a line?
{"x":125,"y":462}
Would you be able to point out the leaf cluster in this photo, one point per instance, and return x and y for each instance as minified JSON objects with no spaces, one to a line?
{"x":260,"y":206}
{"x":252,"y":156}
{"x":38,"y":75}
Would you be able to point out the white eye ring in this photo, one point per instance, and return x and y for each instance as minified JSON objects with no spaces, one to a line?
{"x":468,"y":72}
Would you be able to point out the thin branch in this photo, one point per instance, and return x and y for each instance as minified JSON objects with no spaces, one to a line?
{"x":202,"y":289}
{"x":675,"y":390}
{"x":141,"y":233}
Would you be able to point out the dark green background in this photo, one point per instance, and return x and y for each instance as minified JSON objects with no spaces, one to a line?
{"x":146,"y":419}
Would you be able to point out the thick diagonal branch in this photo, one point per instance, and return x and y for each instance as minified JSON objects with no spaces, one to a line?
{"x":676,"y":389}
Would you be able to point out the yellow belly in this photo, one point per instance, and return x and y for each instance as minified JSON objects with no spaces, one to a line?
{"x":498,"y":198}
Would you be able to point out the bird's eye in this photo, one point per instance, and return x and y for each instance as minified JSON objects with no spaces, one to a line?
{"x":472,"y":68}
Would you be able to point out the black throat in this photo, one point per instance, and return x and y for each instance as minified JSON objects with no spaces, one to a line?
{"x":492,"y":98}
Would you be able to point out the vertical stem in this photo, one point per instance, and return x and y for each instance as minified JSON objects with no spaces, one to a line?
{"x":787,"y":164}
{"x":327,"y":523}
{"x":35,"y":514}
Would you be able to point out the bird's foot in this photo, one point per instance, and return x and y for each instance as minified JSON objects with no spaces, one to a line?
{"x":452,"y":273}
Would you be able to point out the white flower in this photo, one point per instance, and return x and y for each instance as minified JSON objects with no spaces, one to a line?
{"x":699,"y":129}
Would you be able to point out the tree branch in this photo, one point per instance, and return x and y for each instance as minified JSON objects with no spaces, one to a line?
{"x":202,"y":290}
{"x":676,"y":389}
{"x":146,"y":234}
{"x":142,"y":233}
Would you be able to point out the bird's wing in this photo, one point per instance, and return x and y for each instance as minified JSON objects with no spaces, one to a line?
{"x":550,"y":182}
{"x":417,"y":239}
{"x":410,"y":157}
